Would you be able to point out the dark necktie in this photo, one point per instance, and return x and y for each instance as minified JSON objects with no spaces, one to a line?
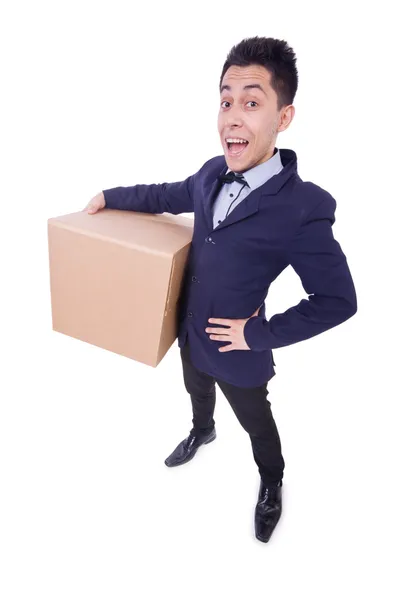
{"x":231,"y":176}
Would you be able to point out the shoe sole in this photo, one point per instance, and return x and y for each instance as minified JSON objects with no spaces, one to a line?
{"x":192,"y":455}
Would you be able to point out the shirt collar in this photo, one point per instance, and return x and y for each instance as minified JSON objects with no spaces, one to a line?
{"x":259,"y":174}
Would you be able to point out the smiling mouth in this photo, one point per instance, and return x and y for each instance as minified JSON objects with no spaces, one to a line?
{"x":236,"y":149}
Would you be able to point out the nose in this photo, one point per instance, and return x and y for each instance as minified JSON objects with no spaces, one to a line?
{"x":233,"y":121}
{"x":233,"y":117}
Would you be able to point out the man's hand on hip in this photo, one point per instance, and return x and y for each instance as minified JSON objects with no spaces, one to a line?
{"x":234,"y":333}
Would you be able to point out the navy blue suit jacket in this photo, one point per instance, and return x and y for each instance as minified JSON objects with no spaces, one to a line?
{"x":286,"y":221}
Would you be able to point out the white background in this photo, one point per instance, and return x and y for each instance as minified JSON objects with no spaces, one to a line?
{"x":97,"y":95}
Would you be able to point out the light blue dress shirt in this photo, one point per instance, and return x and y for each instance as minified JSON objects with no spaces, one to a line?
{"x":254,"y":177}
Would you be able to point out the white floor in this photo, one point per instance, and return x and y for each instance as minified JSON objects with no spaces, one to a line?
{"x":89,"y":510}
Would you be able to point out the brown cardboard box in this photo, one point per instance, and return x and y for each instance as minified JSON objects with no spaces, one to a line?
{"x":115,"y":278}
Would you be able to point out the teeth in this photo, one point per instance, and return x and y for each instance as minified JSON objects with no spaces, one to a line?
{"x":235,"y":141}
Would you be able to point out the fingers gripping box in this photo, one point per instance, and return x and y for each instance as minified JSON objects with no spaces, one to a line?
{"x":116,"y":277}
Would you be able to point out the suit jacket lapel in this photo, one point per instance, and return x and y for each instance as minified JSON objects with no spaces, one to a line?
{"x":250,"y":204}
{"x":211,"y":190}
{"x":244,"y":209}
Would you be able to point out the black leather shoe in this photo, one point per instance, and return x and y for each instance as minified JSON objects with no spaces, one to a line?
{"x":188,"y":448}
{"x":267,"y":510}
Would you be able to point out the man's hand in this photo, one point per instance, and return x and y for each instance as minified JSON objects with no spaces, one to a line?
{"x":97,"y":203}
{"x":233,"y":334}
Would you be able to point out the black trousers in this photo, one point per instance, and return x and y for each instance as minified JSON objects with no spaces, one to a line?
{"x":251,"y":407}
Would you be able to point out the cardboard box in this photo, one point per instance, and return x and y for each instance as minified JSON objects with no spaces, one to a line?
{"x":115,"y":279}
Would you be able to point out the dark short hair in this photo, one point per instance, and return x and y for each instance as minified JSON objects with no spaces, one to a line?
{"x":276,"y":56}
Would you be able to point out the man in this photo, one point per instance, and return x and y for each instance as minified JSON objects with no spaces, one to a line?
{"x":254,"y":216}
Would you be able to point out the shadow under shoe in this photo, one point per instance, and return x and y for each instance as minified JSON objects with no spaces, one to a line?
{"x":188,"y":448}
{"x":268,"y":510}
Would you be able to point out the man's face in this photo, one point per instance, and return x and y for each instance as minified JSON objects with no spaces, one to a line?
{"x":250,"y":114}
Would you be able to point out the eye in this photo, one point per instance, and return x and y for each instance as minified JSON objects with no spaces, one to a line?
{"x":250,"y":101}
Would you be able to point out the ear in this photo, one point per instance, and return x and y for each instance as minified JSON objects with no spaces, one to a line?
{"x":287,"y":114}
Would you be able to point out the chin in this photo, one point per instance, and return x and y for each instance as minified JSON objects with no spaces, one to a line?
{"x":237,"y":163}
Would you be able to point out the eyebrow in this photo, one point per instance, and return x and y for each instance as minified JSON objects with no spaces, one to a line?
{"x":246,"y":87}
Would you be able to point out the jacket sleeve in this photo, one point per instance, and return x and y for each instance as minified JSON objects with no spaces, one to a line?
{"x":320,"y":263}
{"x":157,"y":198}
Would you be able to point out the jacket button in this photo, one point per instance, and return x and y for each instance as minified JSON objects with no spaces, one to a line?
{"x":189,"y":314}
{"x":194,"y":278}
{"x":208,"y":239}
